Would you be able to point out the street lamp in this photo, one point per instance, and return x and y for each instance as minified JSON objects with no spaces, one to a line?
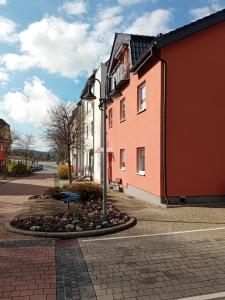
{"x":89,"y":96}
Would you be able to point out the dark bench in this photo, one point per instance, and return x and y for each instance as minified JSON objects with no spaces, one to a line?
{"x":69,"y":197}
{"x":117,"y":184}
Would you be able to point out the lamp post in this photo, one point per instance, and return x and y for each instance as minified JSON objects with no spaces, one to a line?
{"x":103,"y":107}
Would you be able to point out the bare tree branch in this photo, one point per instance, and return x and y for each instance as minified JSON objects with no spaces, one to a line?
{"x":63,"y":129}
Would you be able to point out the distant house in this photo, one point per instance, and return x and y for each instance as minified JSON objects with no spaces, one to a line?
{"x":5,"y":142}
{"x":166,"y":131}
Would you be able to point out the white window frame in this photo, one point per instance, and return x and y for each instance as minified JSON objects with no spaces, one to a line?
{"x":122,"y":159}
{"x":122,"y":110}
{"x":110,"y":117}
{"x":140,"y":169}
{"x":141,"y":103}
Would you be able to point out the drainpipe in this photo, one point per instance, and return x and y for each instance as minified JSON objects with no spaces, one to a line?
{"x":164,"y":103}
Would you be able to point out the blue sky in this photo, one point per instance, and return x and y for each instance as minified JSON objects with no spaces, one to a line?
{"x":48,"y":47}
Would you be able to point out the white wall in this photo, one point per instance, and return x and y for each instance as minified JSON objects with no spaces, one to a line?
{"x":100,"y":75}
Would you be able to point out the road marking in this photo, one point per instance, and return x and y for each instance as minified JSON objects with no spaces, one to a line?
{"x":152,"y":234}
{"x":206,"y":297}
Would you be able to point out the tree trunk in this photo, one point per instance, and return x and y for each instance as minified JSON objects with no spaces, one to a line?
{"x":69,"y":166}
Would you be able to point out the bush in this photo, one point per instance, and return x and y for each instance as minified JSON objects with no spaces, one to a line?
{"x":54,"y":192}
{"x":88,"y":190}
{"x":63,"y":171}
{"x":21,"y":170}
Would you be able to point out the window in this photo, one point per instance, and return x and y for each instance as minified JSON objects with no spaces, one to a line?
{"x":141,"y":161}
{"x":122,"y":159}
{"x":122,"y":110}
{"x":87,"y":131}
{"x":110,"y":117}
{"x":92,"y":128}
{"x":142,"y":97}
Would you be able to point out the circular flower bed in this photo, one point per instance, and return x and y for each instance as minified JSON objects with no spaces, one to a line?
{"x":83,"y":217}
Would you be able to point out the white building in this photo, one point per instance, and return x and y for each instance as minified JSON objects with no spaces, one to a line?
{"x":88,"y":159}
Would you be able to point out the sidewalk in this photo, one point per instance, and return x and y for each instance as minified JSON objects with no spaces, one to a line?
{"x":27,"y":264}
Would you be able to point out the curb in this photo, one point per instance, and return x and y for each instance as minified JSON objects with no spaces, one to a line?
{"x":70,"y":235}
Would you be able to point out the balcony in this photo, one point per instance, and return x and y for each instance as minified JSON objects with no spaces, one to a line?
{"x":122,"y":77}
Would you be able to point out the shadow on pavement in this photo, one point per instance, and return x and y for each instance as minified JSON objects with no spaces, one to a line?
{"x":17,"y":189}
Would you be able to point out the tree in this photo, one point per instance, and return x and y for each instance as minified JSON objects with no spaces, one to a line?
{"x":25,"y":142}
{"x":63,"y":129}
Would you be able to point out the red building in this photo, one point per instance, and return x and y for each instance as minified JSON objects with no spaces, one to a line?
{"x":167,"y":129}
{"x":5,"y":142}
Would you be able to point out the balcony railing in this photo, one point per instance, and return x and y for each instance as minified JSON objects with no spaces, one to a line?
{"x":121,"y":75}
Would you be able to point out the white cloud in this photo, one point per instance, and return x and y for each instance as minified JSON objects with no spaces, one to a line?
{"x":8,"y":30}
{"x":74,"y":7}
{"x":29,"y":106}
{"x":3,"y":2}
{"x":132,"y":2}
{"x":201,"y":12}
{"x":152,"y":23}
{"x":4,"y":77}
{"x":107,"y":21}
{"x":17,"y":62}
{"x":60,"y":47}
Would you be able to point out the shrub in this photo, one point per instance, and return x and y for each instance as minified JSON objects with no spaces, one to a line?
{"x":63,"y":171}
{"x":88,"y":190}
{"x":54,"y":192}
{"x":21,"y":170}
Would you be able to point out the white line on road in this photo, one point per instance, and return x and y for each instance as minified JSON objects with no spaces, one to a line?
{"x":206,"y":297}
{"x":151,"y":235}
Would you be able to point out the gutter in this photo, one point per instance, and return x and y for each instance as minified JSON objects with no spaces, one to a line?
{"x":151,"y":54}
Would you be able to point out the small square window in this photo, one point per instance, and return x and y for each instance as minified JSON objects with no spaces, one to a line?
{"x":122,"y":159}
{"x":122,"y":110}
{"x":110,"y":117}
{"x":142,"y":97}
{"x":141,"y":161}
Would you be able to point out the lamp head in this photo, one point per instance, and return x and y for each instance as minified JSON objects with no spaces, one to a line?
{"x":89,"y":96}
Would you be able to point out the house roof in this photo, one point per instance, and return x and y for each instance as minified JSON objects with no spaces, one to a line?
{"x":3,"y":123}
{"x":139,"y":44}
{"x":176,"y":35}
{"x":85,"y":89}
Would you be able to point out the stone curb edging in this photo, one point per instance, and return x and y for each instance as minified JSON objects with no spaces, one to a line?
{"x":70,"y":235}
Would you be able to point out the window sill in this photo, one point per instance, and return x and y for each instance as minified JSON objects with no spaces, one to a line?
{"x":123,"y":169}
{"x":122,"y":120}
{"x":141,"y":173}
{"x":141,"y":111}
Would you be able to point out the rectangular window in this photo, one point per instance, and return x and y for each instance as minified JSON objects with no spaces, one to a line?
{"x":87,"y":106}
{"x":141,"y":161}
{"x":122,"y":110}
{"x":110,"y":117}
{"x":142,"y":97}
{"x":87,"y":131}
{"x":92,"y":128}
{"x":122,"y":159}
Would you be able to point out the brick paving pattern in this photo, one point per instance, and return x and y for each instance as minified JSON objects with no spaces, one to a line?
{"x":27,"y":270}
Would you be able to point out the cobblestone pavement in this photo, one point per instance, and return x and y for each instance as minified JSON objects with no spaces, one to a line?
{"x":156,"y":219}
{"x":157,"y":268}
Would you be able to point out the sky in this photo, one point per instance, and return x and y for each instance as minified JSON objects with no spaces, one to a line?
{"x":49,"y":47}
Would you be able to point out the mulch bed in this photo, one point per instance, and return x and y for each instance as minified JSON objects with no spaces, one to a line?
{"x":82,"y":217}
